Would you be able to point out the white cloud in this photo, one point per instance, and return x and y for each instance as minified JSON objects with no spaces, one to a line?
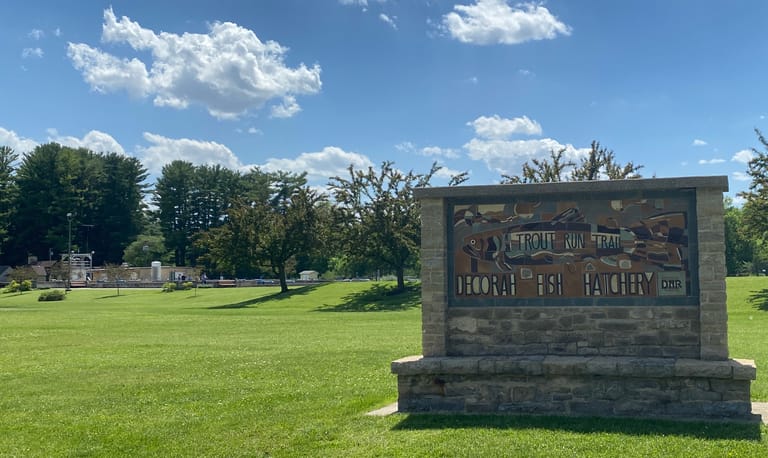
{"x":164,"y":150}
{"x":107,"y":73}
{"x":496,"y":127}
{"x":57,"y":32}
{"x":20,"y":145}
{"x":253,"y":130}
{"x":321,"y":165}
{"x":743,"y":156}
{"x":449,"y":153}
{"x":94,"y":140}
{"x":36,"y":34}
{"x":508,"y":156}
{"x":354,"y":2}
{"x":495,"y":22}
{"x":390,"y":20}
{"x":446,"y":173}
{"x":711,"y":161}
{"x":286,"y":109}
{"x":741,"y":176}
{"x":27,"y":53}
{"x":697,"y":142}
{"x":229,"y":70}
{"x":526,"y":73}
{"x":437,"y":151}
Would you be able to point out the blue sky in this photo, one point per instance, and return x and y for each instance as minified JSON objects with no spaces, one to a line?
{"x":314,"y":85}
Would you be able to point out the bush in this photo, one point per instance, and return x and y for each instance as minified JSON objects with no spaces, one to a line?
{"x":26,"y":285}
{"x":52,"y":295}
{"x":187,"y":285}
{"x":169,"y":287}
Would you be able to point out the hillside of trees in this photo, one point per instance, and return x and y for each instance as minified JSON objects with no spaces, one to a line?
{"x":271,"y":224}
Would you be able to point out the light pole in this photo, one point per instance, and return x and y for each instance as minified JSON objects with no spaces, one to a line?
{"x":69,"y":254}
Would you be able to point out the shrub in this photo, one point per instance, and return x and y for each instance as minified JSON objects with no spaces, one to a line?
{"x":169,"y":287}
{"x":52,"y":295}
{"x":187,"y":285}
{"x":13,"y":287}
{"x":26,"y":285}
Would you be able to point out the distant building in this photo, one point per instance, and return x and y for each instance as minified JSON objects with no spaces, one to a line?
{"x":308,"y":275}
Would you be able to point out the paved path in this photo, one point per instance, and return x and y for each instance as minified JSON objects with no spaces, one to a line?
{"x":761,"y":408}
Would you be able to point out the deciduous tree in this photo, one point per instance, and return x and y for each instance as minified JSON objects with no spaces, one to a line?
{"x":378,"y":217}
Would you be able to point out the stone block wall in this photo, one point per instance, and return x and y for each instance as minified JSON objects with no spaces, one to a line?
{"x":574,"y":331}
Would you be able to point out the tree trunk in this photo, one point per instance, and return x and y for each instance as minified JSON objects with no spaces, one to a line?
{"x":400,"y":272}
{"x":281,"y":276}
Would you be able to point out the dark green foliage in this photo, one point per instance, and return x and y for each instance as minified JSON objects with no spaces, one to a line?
{"x":755,"y":216}
{"x":52,"y":295}
{"x":7,"y":192}
{"x":278,"y":221}
{"x":191,"y":200}
{"x":103,"y":192}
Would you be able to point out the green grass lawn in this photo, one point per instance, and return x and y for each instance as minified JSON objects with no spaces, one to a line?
{"x":239,"y":372}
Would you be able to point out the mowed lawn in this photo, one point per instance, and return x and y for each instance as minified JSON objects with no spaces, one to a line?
{"x":241,"y":372}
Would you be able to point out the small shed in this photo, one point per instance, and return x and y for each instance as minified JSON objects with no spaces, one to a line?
{"x":308,"y":275}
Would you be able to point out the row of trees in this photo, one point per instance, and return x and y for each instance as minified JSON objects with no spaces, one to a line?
{"x":268,"y":223}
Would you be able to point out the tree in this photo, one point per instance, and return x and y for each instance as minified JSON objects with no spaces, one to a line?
{"x":145,"y":249}
{"x":600,"y":163}
{"x":739,"y":248}
{"x":116,"y":273}
{"x":378,"y":217}
{"x":7,"y":192}
{"x":755,"y":209}
{"x":174,"y":192}
{"x":104,"y":193}
{"x":269,"y":232}
{"x":118,"y":217}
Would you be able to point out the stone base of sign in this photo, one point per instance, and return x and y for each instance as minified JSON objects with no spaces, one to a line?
{"x":577,"y":385}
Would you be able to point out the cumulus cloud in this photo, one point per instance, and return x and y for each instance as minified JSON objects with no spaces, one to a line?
{"x":743,"y":156}
{"x":489,"y":22}
{"x":320,"y":165}
{"x":496,"y":127}
{"x":698,"y":142}
{"x":508,"y":156}
{"x":107,"y":73}
{"x":711,"y":161}
{"x":229,"y":70}
{"x":19,"y":144}
{"x":163,"y":150}
{"x":27,"y":53}
{"x":94,"y":140}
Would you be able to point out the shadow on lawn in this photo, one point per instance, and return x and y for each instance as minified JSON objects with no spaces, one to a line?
{"x":628,"y":426}
{"x":378,"y":298}
{"x":278,"y":296}
{"x":760,"y":299}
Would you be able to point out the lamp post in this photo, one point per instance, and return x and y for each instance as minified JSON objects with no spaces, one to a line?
{"x":69,"y":254}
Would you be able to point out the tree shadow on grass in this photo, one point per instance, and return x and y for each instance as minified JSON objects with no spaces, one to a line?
{"x":760,"y":299}
{"x":746,"y":431}
{"x":379,"y":297}
{"x":277,"y":296}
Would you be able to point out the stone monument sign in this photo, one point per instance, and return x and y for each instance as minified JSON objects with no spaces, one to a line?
{"x":595,"y":298}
